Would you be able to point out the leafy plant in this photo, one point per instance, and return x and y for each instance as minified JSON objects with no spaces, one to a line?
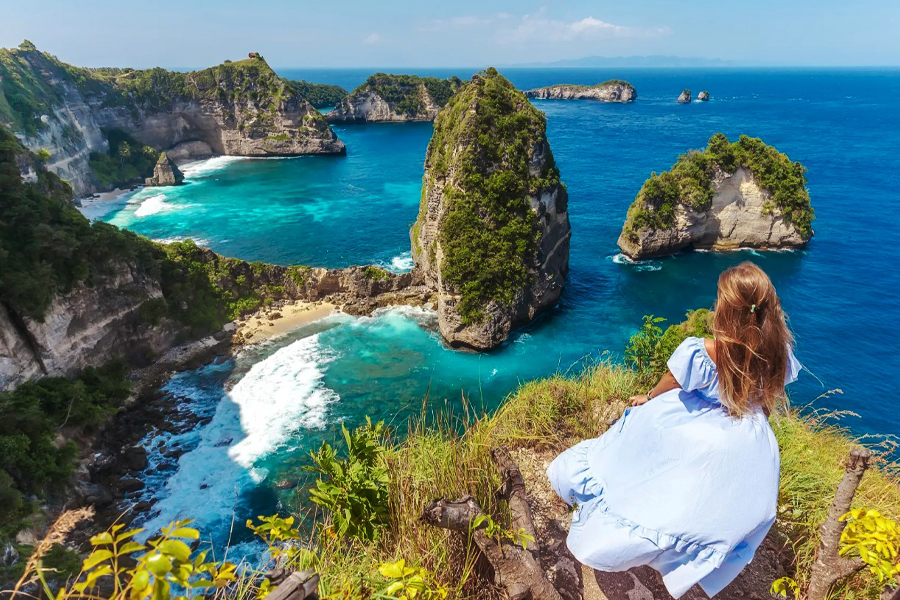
{"x":786,"y":587}
{"x":354,"y":490}
{"x":494,"y":530}
{"x":641,"y":349}
{"x":410,"y":583}
{"x":875,"y":539}
{"x":166,"y":569}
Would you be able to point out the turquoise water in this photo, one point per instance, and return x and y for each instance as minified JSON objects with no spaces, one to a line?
{"x":274,"y":402}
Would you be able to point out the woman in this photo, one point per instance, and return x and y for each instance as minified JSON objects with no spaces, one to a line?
{"x":687,"y":480}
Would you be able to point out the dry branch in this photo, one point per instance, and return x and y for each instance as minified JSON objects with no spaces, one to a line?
{"x":515,"y":568}
{"x":830,"y":566}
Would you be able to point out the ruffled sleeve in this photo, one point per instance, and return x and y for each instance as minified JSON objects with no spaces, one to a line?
{"x":692,"y":367}
{"x":793,"y":368}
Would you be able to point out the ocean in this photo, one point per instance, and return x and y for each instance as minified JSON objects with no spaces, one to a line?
{"x":274,"y":402}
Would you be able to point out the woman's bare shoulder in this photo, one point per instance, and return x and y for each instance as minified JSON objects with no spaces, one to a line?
{"x":710,"y":346}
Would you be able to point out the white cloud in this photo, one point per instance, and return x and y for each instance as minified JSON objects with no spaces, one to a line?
{"x":372,"y":38}
{"x":540,"y":26}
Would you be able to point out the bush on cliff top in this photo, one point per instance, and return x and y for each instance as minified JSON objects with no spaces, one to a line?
{"x":403,"y":92}
{"x":486,"y":136}
{"x":320,"y":95}
{"x":689,"y":183}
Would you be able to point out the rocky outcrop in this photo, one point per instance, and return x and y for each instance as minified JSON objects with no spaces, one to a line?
{"x":685,"y":97}
{"x":703,"y":96}
{"x":720,"y":204}
{"x":238,"y":108}
{"x":165,"y":172}
{"x":614,"y":90}
{"x":492,"y":235}
{"x":190,"y":151}
{"x":386,"y":98}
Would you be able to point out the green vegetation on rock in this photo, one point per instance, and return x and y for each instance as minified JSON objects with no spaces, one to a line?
{"x":34,"y":459}
{"x":689,"y":183}
{"x":128,"y":161}
{"x":404,"y":92}
{"x":486,"y":136}
{"x":320,"y":95}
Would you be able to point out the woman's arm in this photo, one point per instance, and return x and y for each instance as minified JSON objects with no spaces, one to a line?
{"x":665,"y":384}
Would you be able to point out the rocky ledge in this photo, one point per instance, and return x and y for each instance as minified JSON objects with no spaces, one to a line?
{"x":732,"y":195}
{"x":386,"y":98}
{"x":166,"y":172}
{"x":492,"y":236}
{"x":614,"y":90}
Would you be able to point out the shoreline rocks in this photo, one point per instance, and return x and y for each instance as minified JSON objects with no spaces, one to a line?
{"x":614,"y":90}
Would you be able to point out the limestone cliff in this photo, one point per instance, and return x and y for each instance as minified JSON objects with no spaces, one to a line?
{"x":395,"y":98}
{"x":614,"y":90}
{"x":492,"y":235}
{"x":740,"y":195}
{"x":237,"y":108}
{"x":166,"y":172}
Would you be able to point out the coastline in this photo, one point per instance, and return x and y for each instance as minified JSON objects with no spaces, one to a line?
{"x":266,"y":324}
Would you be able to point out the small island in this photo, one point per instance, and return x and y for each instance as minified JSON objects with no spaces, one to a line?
{"x":613,"y":90}
{"x":703,"y":96}
{"x":685,"y":97}
{"x":388,"y":98}
{"x":744,"y":194}
{"x":492,"y":236}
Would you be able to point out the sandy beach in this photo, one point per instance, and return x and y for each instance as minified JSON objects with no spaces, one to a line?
{"x":90,"y":202}
{"x":267,"y":324}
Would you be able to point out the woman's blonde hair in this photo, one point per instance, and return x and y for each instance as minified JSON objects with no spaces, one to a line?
{"x":752,"y":340}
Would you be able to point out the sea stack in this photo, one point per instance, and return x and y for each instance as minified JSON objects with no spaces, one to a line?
{"x":387,"y":98}
{"x":703,"y":96}
{"x":166,"y":172}
{"x":614,"y":90}
{"x":492,"y":236}
{"x":744,"y":194}
{"x":685,"y":97}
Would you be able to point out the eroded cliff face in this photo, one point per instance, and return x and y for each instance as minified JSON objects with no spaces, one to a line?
{"x":742,"y":215}
{"x":88,"y":326}
{"x":492,"y":236}
{"x":612,"y":91}
{"x":241,"y":108}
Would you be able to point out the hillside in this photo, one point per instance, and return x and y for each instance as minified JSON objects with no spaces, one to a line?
{"x":385,"y":97}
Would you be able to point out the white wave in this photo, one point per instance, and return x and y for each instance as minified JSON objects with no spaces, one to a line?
{"x":200,"y":168}
{"x":639,"y":265}
{"x":276,"y":397}
{"x":180,"y":238}
{"x":401,"y":263}
{"x":154,"y":205}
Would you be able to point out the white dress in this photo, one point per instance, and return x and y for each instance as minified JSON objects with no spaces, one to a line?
{"x":676,"y":484}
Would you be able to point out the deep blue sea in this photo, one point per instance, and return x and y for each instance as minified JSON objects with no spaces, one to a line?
{"x":273,"y":403}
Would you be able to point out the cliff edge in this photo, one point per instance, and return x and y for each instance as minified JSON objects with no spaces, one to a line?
{"x":492,"y":235}
{"x":614,"y":90}
{"x":744,"y":194}
{"x":385,"y":98}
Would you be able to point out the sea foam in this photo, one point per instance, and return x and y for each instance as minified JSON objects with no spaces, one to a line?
{"x":277,"y":397}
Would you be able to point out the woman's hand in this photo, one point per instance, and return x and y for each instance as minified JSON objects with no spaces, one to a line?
{"x":638,"y":400}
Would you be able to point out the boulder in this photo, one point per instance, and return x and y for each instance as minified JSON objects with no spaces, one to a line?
{"x":492,"y":235}
{"x":685,"y":97}
{"x":126,"y":486}
{"x":166,"y":172}
{"x":703,"y":96}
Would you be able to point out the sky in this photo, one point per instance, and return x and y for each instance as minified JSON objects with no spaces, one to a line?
{"x":477,"y":33}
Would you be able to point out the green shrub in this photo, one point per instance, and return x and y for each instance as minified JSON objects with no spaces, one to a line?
{"x":648,"y":350}
{"x":354,"y":490}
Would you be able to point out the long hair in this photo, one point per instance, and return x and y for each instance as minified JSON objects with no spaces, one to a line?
{"x":752,"y":340}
